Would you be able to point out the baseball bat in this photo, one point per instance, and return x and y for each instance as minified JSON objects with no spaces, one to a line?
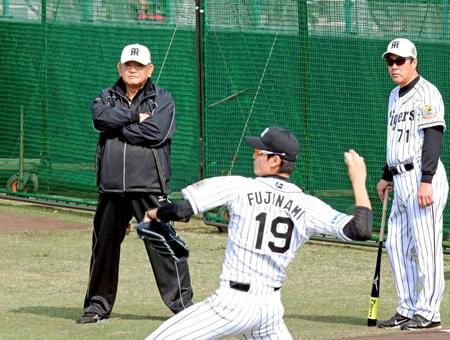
{"x":375,"y":294}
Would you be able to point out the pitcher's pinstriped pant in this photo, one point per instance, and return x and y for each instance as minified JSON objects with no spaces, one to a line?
{"x":414,"y":245}
{"x":257,"y":314}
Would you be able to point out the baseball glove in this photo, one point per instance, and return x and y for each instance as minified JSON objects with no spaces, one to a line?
{"x":163,"y":239}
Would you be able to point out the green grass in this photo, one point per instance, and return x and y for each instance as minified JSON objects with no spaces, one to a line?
{"x":44,"y":276}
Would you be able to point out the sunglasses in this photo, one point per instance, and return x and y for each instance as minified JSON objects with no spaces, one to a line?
{"x":258,"y":153}
{"x":399,"y":61}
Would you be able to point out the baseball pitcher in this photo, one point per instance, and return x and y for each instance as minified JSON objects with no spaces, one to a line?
{"x":270,"y":219}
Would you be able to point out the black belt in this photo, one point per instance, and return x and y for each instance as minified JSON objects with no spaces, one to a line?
{"x":244,"y":287}
{"x":395,"y":170}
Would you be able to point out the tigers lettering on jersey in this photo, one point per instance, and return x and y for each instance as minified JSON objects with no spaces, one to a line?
{"x":400,"y":117}
{"x":409,"y":113}
{"x":275,"y":199}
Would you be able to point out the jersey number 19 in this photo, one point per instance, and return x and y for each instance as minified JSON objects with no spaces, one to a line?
{"x":285,"y":234}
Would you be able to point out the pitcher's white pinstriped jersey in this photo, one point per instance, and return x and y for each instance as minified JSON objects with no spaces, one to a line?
{"x":270,"y":219}
{"x":421,"y":107}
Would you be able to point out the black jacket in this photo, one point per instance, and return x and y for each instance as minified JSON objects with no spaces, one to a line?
{"x":125,"y":160}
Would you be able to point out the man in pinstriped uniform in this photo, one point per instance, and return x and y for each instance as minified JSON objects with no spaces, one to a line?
{"x":414,"y":241}
{"x":270,"y":218}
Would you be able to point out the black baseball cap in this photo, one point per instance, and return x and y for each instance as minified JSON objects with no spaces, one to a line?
{"x":277,"y":140}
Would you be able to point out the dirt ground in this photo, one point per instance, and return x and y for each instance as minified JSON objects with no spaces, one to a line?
{"x":14,"y":216}
{"x":10,"y":222}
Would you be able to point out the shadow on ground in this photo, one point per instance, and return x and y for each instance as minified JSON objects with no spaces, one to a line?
{"x":72,"y":313}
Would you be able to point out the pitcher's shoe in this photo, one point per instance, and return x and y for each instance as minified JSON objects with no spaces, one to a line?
{"x":418,"y":322}
{"x":395,"y":322}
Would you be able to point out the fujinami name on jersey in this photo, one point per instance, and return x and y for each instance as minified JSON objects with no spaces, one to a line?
{"x":267,"y":197}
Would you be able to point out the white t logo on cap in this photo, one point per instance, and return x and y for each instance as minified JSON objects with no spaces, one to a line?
{"x":264,"y":132}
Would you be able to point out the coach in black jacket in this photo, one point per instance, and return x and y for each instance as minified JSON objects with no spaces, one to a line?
{"x":136,"y":121}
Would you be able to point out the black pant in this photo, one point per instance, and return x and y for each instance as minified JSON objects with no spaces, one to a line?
{"x":114,"y":212}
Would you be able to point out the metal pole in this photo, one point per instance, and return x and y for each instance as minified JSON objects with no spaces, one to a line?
{"x":199,"y":30}
{"x":170,"y":12}
{"x":45,"y":81}
{"x":257,"y":13}
{"x":21,"y":154}
{"x":445,"y":15}
{"x":348,"y":6}
{"x":44,"y":12}
{"x":6,"y":9}
{"x":85,"y":10}
{"x":303,"y":43}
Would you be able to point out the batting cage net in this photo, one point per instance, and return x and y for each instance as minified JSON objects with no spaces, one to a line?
{"x":57,"y":56}
{"x":312,"y":66}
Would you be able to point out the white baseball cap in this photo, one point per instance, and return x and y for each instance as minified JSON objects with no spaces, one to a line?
{"x":135,"y":52}
{"x":401,"y":47}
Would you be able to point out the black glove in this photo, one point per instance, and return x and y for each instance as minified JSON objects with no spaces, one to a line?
{"x":163,"y":239}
